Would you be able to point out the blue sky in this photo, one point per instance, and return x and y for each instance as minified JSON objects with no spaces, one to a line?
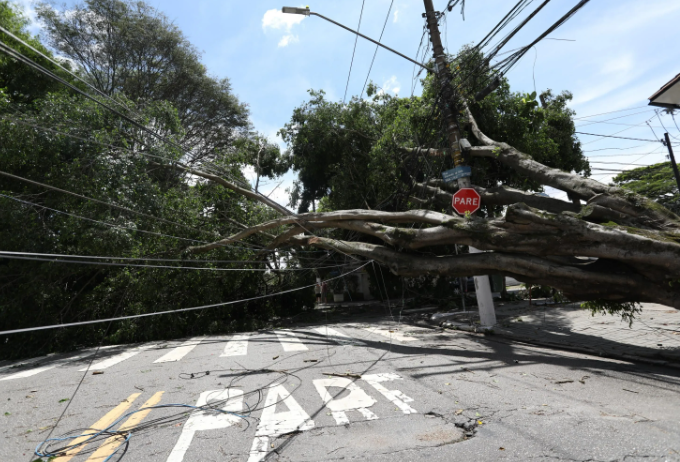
{"x":619,"y":53}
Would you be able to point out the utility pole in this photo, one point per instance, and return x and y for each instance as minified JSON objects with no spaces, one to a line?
{"x":487,"y":312}
{"x":675,"y":166}
{"x":441,"y":68}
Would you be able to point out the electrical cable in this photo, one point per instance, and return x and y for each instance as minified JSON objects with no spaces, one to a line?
{"x":56,"y":63}
{"x":612,"y":112}
{"x":179,"y":260}
{"x":619,"y":137}
{"x":137,"y":265}
{"x":375,"y":53}
{"x":19,"y":56}
{"x":181,"y":310}
{"x":80,"y":196}
{"x":356,"y":38}
{"x":117,"y":226}
{"x":506,"y":64}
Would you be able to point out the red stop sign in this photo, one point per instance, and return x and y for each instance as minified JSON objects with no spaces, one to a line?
{"x":466,"y":200}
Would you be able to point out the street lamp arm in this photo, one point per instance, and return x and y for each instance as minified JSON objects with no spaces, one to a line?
{"x":306,"y":12}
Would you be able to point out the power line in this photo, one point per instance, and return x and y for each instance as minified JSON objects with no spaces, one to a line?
{"x":619,"y":137}
{"x":612,"y":112}
{"x":56,"y":63}
{"x":19,"y":56}
{"x":591,"y":122}
{"x":119,"y":207}
{"x":136,"y":265}
{"x":209,"y":167}
{"x":181,"y":310}
{"x":104,"y":223}
{"x":506,"y":64}
{"x":99,"y":257}
{"x":356,"y":38}
{"x":376,"y":50}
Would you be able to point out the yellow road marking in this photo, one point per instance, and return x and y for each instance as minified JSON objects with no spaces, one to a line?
{"x":111,"y":444}
{"x":102,"y":423}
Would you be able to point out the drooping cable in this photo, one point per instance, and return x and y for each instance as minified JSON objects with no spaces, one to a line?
{"x":181,"y":310}
{"x":356,"y":38}
{"x":375,"y":53}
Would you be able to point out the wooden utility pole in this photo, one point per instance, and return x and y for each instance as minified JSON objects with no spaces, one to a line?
{"x":487,"y":312}
{"x":670,"y":154}
{"x":444,"y":77}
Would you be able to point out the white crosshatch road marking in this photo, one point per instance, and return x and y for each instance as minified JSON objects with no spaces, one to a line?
{"x":338,"y":337}
{"x":237,"y":346}
{"x":21,"y":363}
{"x":179,"y":352}
{"x":47,"y":367}
{"x":119,"y":358}
{"x":290,"y":341}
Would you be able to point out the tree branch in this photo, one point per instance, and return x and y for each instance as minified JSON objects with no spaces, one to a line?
{"x":221,"y":181}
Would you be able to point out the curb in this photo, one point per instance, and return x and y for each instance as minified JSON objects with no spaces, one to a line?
{"x":467,"y":329}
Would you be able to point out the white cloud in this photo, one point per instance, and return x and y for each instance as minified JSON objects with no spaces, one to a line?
{"x":392,"y":84}
{"x":396,"y":16}
{"x":28,"y":7}
{"x":275,"y":19}
{"x":288,"y":39}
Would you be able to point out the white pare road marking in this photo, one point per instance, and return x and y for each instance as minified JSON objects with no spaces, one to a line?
{"x":38,"y":370}
{"x":357,"y":400}
{"x":237,"y":346}
{"x":391,"y":334}
{"x":208,"y":420}
{"x":119,"y":358}
{"x":274,"y":423}
{"x":397,"y":397}
{"x":290,"y":341}
{"x":338,"y":337}
{"x":180,"y":352}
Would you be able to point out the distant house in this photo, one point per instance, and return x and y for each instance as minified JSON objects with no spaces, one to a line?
{"x":668,"y":96}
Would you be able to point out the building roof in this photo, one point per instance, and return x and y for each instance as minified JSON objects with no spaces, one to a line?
{"x":667,"y":96}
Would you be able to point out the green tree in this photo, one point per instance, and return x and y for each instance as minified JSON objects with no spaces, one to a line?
{"x":128,"y":47}
{"x":655,"y":181}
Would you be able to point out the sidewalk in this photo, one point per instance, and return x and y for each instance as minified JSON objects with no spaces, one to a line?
{"x":654,"y":336}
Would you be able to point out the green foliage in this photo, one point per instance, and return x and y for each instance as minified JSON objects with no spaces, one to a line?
{"x":21,"y":82}
{"x":144,"y":56}
{"x":53,"y":136}
{"x":627,"y":310}
{"x":352,"y":154}
{"x":655,"y":181}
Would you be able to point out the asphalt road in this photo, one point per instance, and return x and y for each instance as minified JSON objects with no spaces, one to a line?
{"x":411,"y":394}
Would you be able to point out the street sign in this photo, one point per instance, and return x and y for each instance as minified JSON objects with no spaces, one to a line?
{"x":456,"y":173}
{"x":466,"y":200}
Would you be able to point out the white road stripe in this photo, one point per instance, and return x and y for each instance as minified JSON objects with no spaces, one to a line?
{"x":38,"y":370}
{"x":290,"y":341}
{"x":22,"y":363}
{"x":337,"y":336}
{"x":119,"y":358}
{"x":237,"y":346}
{"x":180,"y":352}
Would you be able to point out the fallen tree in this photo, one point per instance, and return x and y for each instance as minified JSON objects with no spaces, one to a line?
{"x":605,"y":244}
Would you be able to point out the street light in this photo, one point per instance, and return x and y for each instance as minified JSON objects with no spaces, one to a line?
{"x":306,"y":12}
